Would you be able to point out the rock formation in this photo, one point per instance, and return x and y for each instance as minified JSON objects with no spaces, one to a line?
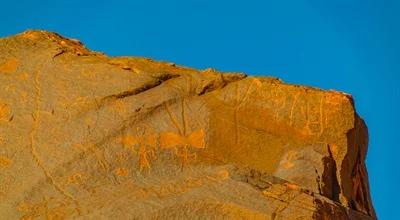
{"x":86,"y":136}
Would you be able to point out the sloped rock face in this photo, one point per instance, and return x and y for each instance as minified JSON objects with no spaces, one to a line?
{"x":86,"y":136}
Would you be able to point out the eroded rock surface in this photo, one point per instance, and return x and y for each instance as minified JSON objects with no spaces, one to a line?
{"x":86,"y":136}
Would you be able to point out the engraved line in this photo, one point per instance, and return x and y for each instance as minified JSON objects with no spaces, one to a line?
{"x":33,"y":133}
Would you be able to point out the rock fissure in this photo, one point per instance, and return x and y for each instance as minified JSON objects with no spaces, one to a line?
{"x":147,"y":86}
{"x":255,"y":146}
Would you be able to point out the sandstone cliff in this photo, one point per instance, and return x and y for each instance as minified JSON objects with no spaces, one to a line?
{"x":86,"y":136}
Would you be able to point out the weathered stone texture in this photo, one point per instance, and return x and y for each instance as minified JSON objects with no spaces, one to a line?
{"x":86,"y":136}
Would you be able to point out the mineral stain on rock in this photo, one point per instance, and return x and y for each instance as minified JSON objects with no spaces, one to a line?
{"x":9,"y":66}
{"x":97,"y":137}
{"x":5,"y":111}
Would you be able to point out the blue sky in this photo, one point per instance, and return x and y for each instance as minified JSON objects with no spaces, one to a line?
{"x":352,"y":46}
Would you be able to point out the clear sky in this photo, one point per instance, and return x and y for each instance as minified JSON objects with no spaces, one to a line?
{"x":347,"y":45}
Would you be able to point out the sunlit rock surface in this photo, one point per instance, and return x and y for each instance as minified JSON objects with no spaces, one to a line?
{"x":86,"y":136}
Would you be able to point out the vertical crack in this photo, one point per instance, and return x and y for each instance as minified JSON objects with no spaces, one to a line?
{"x":318,"y":182}
{"x":331,"y":167}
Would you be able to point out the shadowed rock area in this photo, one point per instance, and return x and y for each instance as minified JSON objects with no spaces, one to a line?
{"x":86,"y":136}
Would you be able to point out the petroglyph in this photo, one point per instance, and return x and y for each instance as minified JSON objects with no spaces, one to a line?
{"x":48,"y":208}
{"x":86,"y":136}
{"x":144,"y":146}
{"x":76,"y":178}
{"x":80,"y":101}
{"x":177,"y":187}
{"x":9,"y":66}
{"x":5,"y":111}
{"x":314,"y":118}
{"x":10,"y":88}
{"x":240,"y":100}
{"x":5,"y":161}
{"x":88,"y":74}
{"x":23,"y":76}
{"x":23,"y":97}
{"x":122,"y":172}
{"x":296,"y":96}
{"x":308,"y":115}
{"x":181,"y":145}
{"x":120,"y":107}
{"x":173,"y":119}
{"x":33,"y":134}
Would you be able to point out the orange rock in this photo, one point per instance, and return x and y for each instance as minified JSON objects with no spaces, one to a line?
{"x":9,"y":66}
{"x":121,"y":172}
{"x":5,"y":162}
{"x":4,"y":111}
{"x":83,"y":128}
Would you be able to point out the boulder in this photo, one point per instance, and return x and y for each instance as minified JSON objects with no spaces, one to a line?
{"x":86,"y":136}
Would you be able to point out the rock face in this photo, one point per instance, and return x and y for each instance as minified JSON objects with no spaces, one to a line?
{"x":86,"y":136}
